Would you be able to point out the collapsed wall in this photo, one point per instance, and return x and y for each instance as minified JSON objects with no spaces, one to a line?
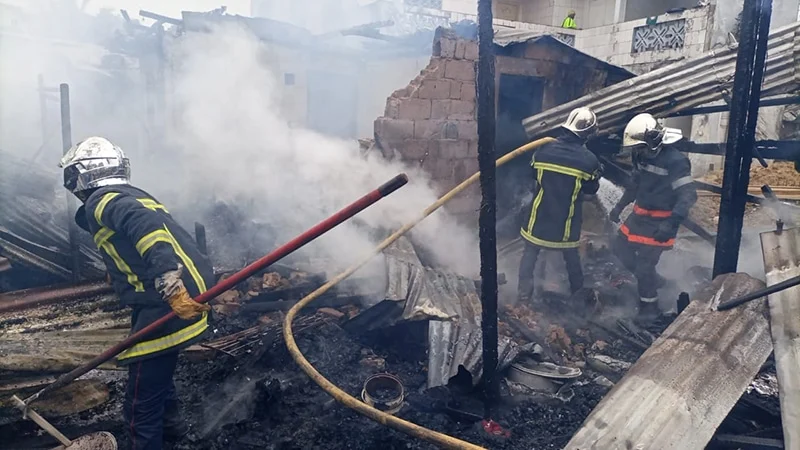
{"x":432,"y":123}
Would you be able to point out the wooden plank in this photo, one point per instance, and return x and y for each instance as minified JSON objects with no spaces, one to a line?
{"x":682,"y":388}
{"x":781,"y":261}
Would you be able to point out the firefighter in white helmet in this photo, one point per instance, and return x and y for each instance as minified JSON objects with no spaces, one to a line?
{"x":663,"y":193}
{"x":155,"y":267}
{"x":564,"y":170}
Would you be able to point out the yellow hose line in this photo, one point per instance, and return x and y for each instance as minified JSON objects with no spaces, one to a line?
{"x":343,"y":397}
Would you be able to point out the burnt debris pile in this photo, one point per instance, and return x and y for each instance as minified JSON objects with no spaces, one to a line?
{"x":418,"y":324}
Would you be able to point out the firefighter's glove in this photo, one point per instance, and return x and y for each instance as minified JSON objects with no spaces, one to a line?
{"x":173,"y":291}
{"x":666,"y":230}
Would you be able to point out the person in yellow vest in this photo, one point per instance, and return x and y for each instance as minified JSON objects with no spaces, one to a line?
{"x":569,"y":21}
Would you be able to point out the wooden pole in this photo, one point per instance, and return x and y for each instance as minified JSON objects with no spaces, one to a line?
{"x":488,"y":214}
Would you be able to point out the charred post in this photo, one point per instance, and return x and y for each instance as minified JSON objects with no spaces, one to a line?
{"x":741,"y":131}
{"x":66,"y":142}
{"x":488,"y":214}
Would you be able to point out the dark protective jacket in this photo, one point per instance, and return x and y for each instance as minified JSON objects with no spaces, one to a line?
{"x":139,"y":241}
{"x":564,"y":170}
{"x":663,"y":190}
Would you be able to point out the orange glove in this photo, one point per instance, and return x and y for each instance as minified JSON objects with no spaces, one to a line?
{"x":183,"y":305}
{"x":171,"y":288}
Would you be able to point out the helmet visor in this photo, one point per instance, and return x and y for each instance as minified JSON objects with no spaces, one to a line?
{"x":71,"y":177}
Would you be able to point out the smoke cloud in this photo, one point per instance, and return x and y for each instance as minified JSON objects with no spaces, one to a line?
{"x":226,"y":138}
{"x":236,"y":144}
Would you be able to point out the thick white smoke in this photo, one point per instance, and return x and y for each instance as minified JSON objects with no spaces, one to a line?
{"x":237,"y":144}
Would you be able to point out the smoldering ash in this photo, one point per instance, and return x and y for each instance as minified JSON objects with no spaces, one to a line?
{"x":236,"y":142}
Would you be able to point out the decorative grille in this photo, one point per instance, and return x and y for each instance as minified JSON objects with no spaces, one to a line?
{"x":659,"y":36}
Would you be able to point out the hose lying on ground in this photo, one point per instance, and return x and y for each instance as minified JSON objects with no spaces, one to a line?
{"x":343,"y":397}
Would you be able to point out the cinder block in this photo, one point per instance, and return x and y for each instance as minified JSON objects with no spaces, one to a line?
{"x":447,"y":48}
{"x":468,"y":92}
{"x":394,"y":129}
{"x":461,"y":70}
{"x":435,"y":89}
{"x":415,"y":109}
{"x":473,"y":150}
{"x":443,"y":170}
{"x":415,"y":149}
{"x":440,"y":109}
{"x":471,"y":51}
{"x":467,"y":129}
{"x":453,"y":148}
{"x":461,"y":46}
{"x":430,"y":129}
{"x":455,"y":90}
{"x":392,"y":110}
{"x":461,"y":110}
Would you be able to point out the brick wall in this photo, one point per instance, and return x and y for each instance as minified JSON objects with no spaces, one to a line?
{"x":431,"y":122}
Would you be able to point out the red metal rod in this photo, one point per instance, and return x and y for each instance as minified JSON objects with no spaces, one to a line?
{"x":287,"y":248}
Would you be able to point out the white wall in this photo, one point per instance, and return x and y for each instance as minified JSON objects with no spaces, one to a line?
{"x":461,"y":6}
{"x":613,"y":43}
{"x":597,"y":13}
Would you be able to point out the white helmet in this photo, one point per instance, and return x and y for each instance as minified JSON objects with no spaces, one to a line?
{"x":645,"y":135}
{"x":582,"y":122}
{"x":92,"y":163}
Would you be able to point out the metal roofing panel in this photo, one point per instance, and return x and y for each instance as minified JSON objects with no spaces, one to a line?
{"x":683,"y":85}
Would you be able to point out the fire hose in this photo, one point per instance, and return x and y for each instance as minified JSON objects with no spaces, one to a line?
{"x":343,"y":397}
{"x":287,"y":248}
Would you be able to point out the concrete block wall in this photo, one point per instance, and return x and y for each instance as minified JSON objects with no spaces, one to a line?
{"x":432,"y":122}
{"x":613,"y":43}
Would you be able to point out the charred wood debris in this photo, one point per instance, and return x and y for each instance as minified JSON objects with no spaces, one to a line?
{"x":409,"y":319}
{"x":417,"y":322}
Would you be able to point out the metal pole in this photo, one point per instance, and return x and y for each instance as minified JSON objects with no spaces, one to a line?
{"x":43,"y":109}
{"x":488,"y":214}
{"x":66,"y":143}
{"x":741,"y":132}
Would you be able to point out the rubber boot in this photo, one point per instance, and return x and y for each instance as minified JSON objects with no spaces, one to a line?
{"x":175,"y":426}
{"x":649,"y":311}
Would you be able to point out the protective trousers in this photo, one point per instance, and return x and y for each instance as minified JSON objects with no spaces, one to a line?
{"x":527,"y":265}
{"x":150,"y":392}
{"x":641,"y":260}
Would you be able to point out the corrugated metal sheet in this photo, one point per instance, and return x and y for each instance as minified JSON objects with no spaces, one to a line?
{"x":448,"y":301}
{"x":780,"y":263}
{"x":683,"y":85}
{"x":681,"y":389}
{"x":34,"y":223}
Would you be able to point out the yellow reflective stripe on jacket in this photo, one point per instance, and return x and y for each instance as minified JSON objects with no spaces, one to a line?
{"x":151,"y":239}
{"x":101,"y":206}
{"x":102,"y":236}
{"x":575,"y":192}
{"x":201,"y":284}
{"x":563,"y":170}
{"x":537,"y":201}
{"x":547,"y":244}
{"x":102,"y":239}
{"x":164,"y":235}
{"x":151,"y":204}
{"x":168,"y":341}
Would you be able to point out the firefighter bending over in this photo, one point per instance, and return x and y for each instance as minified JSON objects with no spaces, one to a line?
{"x":664,"y":193}
{"x":564,"y":170}
{"x":155,"y":267}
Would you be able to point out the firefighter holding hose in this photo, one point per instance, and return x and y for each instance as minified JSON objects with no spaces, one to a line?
{"x":564,"y":170}
{"x":663,"y":193}
{"x":155,"y":267}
